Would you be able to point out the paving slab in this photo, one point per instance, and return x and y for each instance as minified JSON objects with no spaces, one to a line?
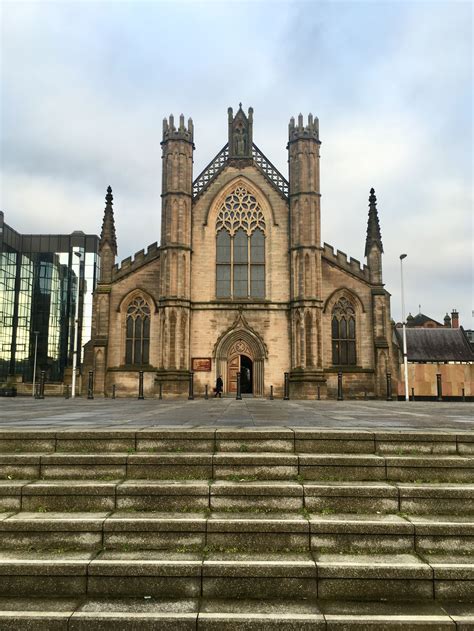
{"x":361,"y":533}
{"x":260,"y":576}
{"x":132,"y":613}
{"x":78,"y":413}
{"x":383,"y":616}
{"x":373,"y":577}
{"x":259,"y":615}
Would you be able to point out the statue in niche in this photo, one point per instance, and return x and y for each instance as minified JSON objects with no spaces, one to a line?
{"x":240,"y":141}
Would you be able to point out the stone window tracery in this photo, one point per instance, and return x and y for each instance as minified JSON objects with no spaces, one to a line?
{"x":343,"y":333}
{"x":240,"y":242}
{"x":240,"y":209}
{"x":137,"y":338}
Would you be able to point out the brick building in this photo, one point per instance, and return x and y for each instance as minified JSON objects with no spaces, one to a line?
{"x":241,"y":282}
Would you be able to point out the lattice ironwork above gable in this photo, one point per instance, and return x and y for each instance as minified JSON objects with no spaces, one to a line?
{"x":269,"y":171}
{"x":263,"y":164}
{"x":213,"y":168}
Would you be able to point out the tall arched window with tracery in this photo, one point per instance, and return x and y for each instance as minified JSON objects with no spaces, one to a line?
{"x":343,"y":330}
{"x":240,"y":244}
{"x":137,"y":343}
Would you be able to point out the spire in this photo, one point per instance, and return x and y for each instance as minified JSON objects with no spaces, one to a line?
{"x":107,"y":234}
{"x":373,"y":227}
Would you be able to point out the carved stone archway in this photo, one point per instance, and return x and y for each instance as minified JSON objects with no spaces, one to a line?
{"x":241,"y":336}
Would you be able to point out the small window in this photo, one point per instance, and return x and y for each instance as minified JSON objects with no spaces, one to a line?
{"x":137,"y":343}
{"x":343,"y":332}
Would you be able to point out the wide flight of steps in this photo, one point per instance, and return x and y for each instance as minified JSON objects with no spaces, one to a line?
{"x":236,"y":529}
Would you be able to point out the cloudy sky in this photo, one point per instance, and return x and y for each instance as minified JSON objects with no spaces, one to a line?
{"x":85,"y":86}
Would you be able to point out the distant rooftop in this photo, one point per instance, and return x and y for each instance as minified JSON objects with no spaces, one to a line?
{"x":436,"y":345}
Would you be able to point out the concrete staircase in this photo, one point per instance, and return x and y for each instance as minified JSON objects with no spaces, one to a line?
{"x":236,"y":529}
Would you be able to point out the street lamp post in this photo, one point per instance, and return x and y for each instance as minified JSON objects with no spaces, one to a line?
{"x":76,"y":330}
{"x":405,"y":359}
{"x":36,"y":333}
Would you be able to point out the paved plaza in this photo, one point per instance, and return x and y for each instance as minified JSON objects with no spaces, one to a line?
{"x":81,"y":413}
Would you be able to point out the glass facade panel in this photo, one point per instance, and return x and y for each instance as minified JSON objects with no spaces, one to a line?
{"x":257,"y":247}
{"x":257,"y":281}
{"x":240,"y":247}
{"x":223,"y":247}
{"x":38,"y":287}
{"x":223,"y":281}
{"x":240,"y":281}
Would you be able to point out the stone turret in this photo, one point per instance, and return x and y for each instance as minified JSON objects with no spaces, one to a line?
{"x":305,"y":252}
{"x":175,"y":253}
{"x":373,"y":242}
{"x":300,"y":131}
{"x":108,"y":240}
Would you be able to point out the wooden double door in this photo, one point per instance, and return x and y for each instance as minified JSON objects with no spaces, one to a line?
{"x":240,"y":361}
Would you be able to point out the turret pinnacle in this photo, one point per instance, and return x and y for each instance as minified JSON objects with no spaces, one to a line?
{"x":107,"y":234}
{"x":373,"y":227}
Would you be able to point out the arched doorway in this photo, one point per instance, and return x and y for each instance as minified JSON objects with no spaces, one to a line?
{"x":243,"y":364}
{"x":239,"y":359}
{"x":240,"y":348}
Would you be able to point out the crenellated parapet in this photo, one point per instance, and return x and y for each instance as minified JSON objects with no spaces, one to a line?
{"x":171,"y":132}
{"x":300,"y":131}
{"x":132,"y":263}
{"x":351,"y":265}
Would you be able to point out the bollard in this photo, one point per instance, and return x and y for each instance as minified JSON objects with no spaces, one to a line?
{"x":439,"y":395}
{"x":319,"y":393}
{"x":90,"y":385}
{"x":41,"y":385}
{"x":286,"y":393}
{"x":463,"y":395}
{"x":140,"y":385}
{"x":271,"y":393}
{"x":238,"y":394}
{"x":389,"y":387}
{"x":113,"y":391}
{"x":191,"y":387}
{"x":413,"y":394}
{"x":160,"y":395}
{"x":365,"y":395}
{"x":206,"y":393}
{"x":339,"y":387}
{"x":66,"y":392}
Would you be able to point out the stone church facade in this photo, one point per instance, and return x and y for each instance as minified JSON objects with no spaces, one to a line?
{"x":240,"y":282}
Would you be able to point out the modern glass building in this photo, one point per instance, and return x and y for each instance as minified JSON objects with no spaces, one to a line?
{"x":39,"y":276}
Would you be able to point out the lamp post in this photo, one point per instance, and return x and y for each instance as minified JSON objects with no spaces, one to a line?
{"x":76,"y":330}
{"x":405,"y":360}
{"x":36,"y":333}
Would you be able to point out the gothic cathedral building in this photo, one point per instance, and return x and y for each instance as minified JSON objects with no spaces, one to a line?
{"x":240,"y":283}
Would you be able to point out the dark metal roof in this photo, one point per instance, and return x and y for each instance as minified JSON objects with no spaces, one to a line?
{"x":420,"y":319}
{"x":436,"y":345}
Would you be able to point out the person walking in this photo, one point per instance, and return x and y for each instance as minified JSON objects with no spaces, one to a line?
{"x":219,"y":387}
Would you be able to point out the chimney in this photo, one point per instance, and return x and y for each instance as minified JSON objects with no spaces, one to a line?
{"x":454,"y":319}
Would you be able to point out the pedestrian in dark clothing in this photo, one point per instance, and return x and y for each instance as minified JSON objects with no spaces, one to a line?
{"x":219,"y":387}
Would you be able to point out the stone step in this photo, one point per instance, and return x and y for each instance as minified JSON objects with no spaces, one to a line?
{"x":259,"y":496}
{"x":210,"y":440}
{"x":240,"y":531}
{"x":230,"y":465}
{"x":229,"y":615}
{"x":292,"y":576}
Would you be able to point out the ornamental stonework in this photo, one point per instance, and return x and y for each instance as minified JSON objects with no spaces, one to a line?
{"x":240,"y":209}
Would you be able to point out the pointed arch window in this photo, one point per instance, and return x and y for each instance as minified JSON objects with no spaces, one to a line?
{"x":343,"y":333}
{"x":137,"y":342}
{"x":240,"y":247}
